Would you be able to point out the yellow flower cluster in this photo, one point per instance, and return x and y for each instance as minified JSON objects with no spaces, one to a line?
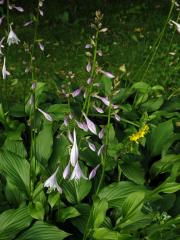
{"x":140,"y":134}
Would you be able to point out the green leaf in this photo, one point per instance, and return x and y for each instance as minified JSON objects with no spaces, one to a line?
{"x":16,"y":169}
{"x":107,"y":84}
{"x":160,"y":139}
{"x":43,"y":231}
{"x":44,"y":142}
{"x":152,"y":104}
{"x":106,"y":234}
{"x":53,"y":198}
{"x":76,"y":191}
{"x":13,"y":221}
{"x":16,"y":147}
{"x":99,"y":212}
{"x":66,"y":213}
{"x":133,"y":171}
{"x":37,"y":210}
{"x":58,"y":111}
{"x":141,"y":87}
{"x":132,"y":204}
{"x":169,"y":187}
{"x":116,"y":193}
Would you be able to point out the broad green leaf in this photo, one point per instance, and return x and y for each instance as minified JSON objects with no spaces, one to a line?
{"x":152,"y":104}
{"x":81,"y":221}
{"x":169,"y":187}
{"x":133,"y":171}
{"x":53,"y":198}
{"x":16,"y":169}
{"x":106,"y":234}
{"x":116,"y":193}
{"x":44,"y":142}
{"x":14,"y":221}
{"x":160,"y":138}
{"x":43,"y":231}
{"x":76,"y":191}
{"x":99,"y":212}
{"x":58,"y":111}
{"x":66,"y":213}
{"x":37,"y":210}
{"x":16,"y":147}
{"x":107,"y":85}
{"x":141,"y":87}
{"x":133,"y":204}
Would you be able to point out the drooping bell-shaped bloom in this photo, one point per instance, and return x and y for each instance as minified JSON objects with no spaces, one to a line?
{"x":1,"y":45}
{"x":18,"y":8}
{"x":88,"y":67}
{"x":12,"y":38}
{"x":5,"y":73}
{"x":1,"y":19}
{"x":66,"y":171}
{"x":98,"y":109}
{"x":93,"y":172}
{"x":46,"y":115}
{"x":177,"y":25}
{"x":100,"y":150}
{"x":101,"y":133}
{"x":77,"y":173}
{"x":91,"y":126}
{"x":82,"y":126}
{"x":117,"y":117}
{"x":91,"y":146}
{"x":41,"y":46}
{"x":103,"y":99}
{"x":107,"y":74}
{"x":51,"y":182}
{"x":76,"y":92}
{"x":74,"y":154}
{"x":70,"y":137}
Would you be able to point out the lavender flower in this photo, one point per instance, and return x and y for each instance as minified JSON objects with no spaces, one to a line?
{"x":74,"y":151}
{"x":1,"y":45}
{"x":76,"y":92}
{"x":100,"y":150}
{"x":98,"y":109}
{"x":51,"y":182}
{"x":101,"y":133}
{"x":89,"y":81}
{"x":88,"y":46}
{"x":91,"y":146}
{"x":5,"y":73}
{"x":41,"y":46}
{"x":88,"y":67}
{"x":91,"y":126}
{"x":66,"y":121}
{"x":66,"y":171}
{"x":117,"y":117}
{"x":70,"y":137}
{"x":12,"y":38}
{"x":1,"y":19}
{"x":107,"y":74}
{"x":46,"y":115}
{"x":103,"y":99}
{"x":177,"y":25}
{"x":28,"y":23}
{"x":93,"y":172}
{"x":77,"y":173}
{"x":19,"y":9}
{"x":82,"y":125}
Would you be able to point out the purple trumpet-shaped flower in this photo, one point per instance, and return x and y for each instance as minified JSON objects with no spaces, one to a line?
{"x":107,"y":74}
{"x":88,"y":67}
{"x":66,"y":171}
{"x":115,"y":106}
{"x":89,"y":81}
{"x":98,"y":109}
{"x":66,"y":121}
{"x":77,"y":173}
{"x":103,"y":99}
{"x":76,"y":92}
{"x":1,"y":2}
{"x":101,"y":133}
{"x":41,"y":12}
{"x":93,"y":172}
{"x":82,"y":125}
{"x":12,"y":38}
{"x":100,"y":150}
{"x":91,"y":146}
{"x":117,"y":117}
{"x":1,"y":19}
{"x":88,"y":46}
{"x":51,"y":182}
{"x":5,"y":73}
{"x":91,"y":126}
{"x":46,"y":115}
{"x":27,"y":23}
{"x":19,"y":9}
{"x":74,"y":154}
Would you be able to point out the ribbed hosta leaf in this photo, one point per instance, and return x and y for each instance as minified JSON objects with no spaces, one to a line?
{"x":13,"y":221}
{"x":116,"y":193}
{"x":43,"y":231}
{"x":16,"y":169}
{"x":44,"y":142}
{"x":16,"y":147}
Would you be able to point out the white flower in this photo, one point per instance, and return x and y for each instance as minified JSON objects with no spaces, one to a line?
{"x":74,"y":151}
{"x":107,"y":74}
{"x":66,"y":171}
{"x":103,"y":99}
{"x":91,"y":146}
{"x":177,"y":26}
{"x":91,"y":126}
{"x":1,"y":45}
{"x":77,"y":173}
{"x":88,"y":67}
{"x":12,"y":38}
{"x":5,"y":73}
{"x":51,"y":182}
{"x":46,"y":115}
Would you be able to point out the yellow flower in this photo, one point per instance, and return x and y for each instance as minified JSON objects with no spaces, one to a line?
{"x":140,"y":134}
